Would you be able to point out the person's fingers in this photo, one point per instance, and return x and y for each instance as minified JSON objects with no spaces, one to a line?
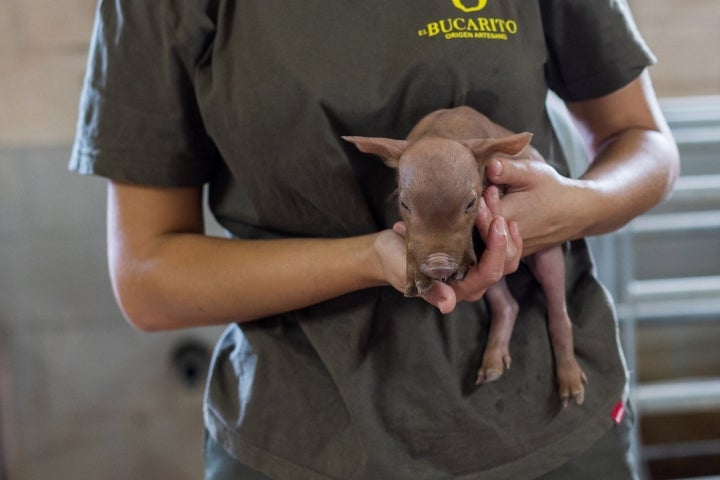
{"x":392,"y":255}
{"x":492,"y":200}
{"x":515,"y":248}
{"x":490,"y":208}
{"x":514,"y":174}
{"x":492,"y":262}
{"x":502,"y":255}
{"x":491,"y":266}
{"x":442,"y":296}
{"x":483,"y":219}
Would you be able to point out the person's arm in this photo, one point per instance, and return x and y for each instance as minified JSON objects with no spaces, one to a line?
{"x":635,"y":164}
{"x":167,"y":274}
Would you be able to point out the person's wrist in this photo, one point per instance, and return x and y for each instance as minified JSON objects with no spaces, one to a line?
{"x":373,"y":261}
{"x":589,"y":208}
{"x":389,"y":265}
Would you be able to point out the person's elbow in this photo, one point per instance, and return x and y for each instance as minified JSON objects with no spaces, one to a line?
{"x":134,"y":295}
{"x":672,"y":160}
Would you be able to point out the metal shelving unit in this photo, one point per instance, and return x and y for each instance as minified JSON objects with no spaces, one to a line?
{"x":651,"y":295}
{"x":664,"y":268}
{"x":693,"y":210}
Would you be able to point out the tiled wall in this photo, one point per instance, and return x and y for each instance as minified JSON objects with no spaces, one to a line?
{"x":43,"y":47}
{"x":82,"y":394}
{"x":685,"y":38}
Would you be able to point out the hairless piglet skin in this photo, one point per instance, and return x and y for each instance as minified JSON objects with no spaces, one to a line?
{"x":440,"y":172}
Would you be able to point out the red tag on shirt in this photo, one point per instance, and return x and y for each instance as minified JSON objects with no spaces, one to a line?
{"x":618,"y":412}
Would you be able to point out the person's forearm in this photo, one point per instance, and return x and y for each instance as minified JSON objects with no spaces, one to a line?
{"x":631,"y":173}
{"x":167,"y":274}
{"x":192,"y":280}
{"x":635,"y":159}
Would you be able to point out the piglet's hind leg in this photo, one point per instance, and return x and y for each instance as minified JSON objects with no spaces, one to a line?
{"x":548,"y":266}
{"x":503,"y":312}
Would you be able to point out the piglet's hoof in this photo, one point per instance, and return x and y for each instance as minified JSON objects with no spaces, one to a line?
{"x":571,"y":383}
{"x":495,"y":362}
{"x":411,"y":290}
{"x":418,"y":287}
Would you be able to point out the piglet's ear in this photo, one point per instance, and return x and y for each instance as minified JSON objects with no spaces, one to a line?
{"x":511,"y":145}
{"x":386,"y":148}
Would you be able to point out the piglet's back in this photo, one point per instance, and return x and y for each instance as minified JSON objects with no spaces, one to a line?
{"x":459,"y":123}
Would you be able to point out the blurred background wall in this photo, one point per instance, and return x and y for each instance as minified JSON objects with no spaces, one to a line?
{"x":83,"y":395}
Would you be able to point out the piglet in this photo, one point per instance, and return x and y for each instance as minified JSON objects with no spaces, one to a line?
{"x":441,"y":178}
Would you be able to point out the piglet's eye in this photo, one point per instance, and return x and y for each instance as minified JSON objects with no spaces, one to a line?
{"x":404,"y":206}
{"x":471,"y":205}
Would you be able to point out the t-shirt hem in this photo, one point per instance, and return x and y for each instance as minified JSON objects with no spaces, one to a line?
{"x":551,"y":456}
{"x":116,"y":166}
{"x":253,"y":456}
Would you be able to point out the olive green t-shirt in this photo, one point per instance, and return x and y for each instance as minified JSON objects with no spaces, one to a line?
{"x":251,"y":98}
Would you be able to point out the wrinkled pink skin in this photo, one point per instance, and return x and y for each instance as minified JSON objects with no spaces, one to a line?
{"x":441,"y":168}
{"x":439,"y":221}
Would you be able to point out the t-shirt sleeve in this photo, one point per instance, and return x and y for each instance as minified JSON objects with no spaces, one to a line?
{"x":139,"y":121}
{"x":594,"y":47}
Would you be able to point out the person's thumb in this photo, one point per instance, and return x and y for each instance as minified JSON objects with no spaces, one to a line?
{"x":442,"y":296}
{"x":508,"y":172}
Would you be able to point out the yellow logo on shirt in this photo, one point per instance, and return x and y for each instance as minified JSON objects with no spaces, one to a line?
{"x":461,"y":5}
{"x":470,"y":27}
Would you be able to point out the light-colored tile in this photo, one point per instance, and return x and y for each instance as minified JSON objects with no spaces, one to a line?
{"x":11,"y":186}
{"x":52,"y":25}
{"x":52,"y":245}
{"x":56,"y":284}
{"x":9,"y":34}
{"x":687,"y":62}
{"x":53,"y":202}
{"x":70,"y":374}
{"x":39,"y":95}
{"x":660,"y":13}
{"x":116,"y":449}
{"x":685,"y":38}
{"x":104,"y":404}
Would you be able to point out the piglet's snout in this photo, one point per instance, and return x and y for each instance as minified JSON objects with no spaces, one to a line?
{"x":441,"y":266}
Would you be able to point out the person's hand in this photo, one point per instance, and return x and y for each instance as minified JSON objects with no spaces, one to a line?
{"x":547,"y":206}
{"x":391,"y":252}
{"x":489,"y":209}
